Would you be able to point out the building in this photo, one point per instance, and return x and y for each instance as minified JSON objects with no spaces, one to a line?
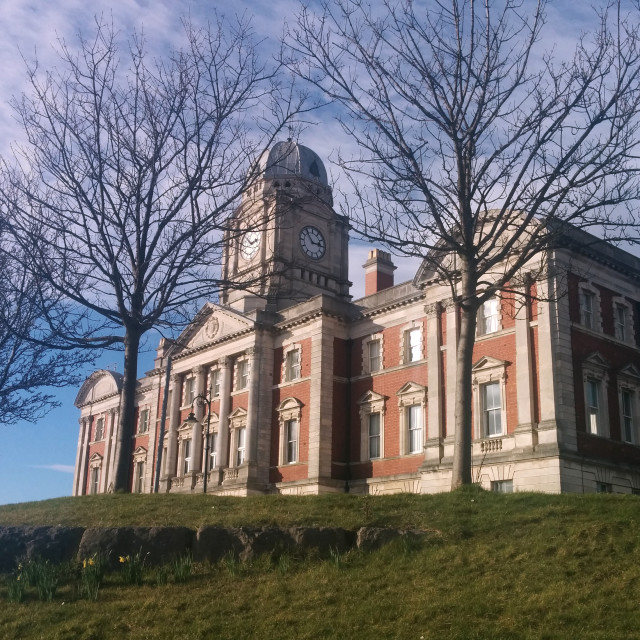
{"x":313,"y":392}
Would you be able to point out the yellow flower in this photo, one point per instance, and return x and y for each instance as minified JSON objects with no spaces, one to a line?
{"x":91,"y":562}
{"x":18,"y":578}
{"x":84,"y":564}
{"x":123,"y":559}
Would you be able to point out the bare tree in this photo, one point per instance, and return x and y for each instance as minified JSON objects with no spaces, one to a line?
{"x":26,"y":365}
{"x":477,"y":150}
{"x":131,"y":167}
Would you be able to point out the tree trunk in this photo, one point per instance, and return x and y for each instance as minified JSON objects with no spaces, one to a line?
{"x":461,"y":472}
{"x":126,"y":426}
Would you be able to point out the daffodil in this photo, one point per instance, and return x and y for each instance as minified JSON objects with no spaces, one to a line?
{"x":122,"y":559}
{"x":84,"y":564}
{"x":91,"y":562}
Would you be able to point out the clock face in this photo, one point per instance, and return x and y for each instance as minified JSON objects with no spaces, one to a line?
{"x":312,"y":242}
{"x":250,"y":244}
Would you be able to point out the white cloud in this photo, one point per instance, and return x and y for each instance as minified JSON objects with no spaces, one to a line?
{"x":62,"y":468}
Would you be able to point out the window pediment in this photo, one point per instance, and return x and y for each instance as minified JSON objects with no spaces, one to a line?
{"x":412,"y":393}
{"x":596,"y":360}
{"x":630,"y":371}
{"x":289,"y":404}
{"x":371,"y":397}
{"x":95,"y":460}
{"x":140,"y":454}
{"x":487,"y":362}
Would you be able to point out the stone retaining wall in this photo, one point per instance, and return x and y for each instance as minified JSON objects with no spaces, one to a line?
{"x":161,"y":544}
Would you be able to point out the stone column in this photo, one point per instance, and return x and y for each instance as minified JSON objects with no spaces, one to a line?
{"x":321,"y":401}
{"x":108,"y":451}
{"x":253,"y":406}
{"x":114,"y":440}
{"x":452,"y":343}
{"x":199,"y":410}
{"x":81,"y":459}
{"x":524,"y":433}
{"x":174,"y":423}
{"x":225,"y":405}
{"x":435,"y":419}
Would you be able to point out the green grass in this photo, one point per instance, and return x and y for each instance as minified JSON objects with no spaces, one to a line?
{"x":505,"y":566}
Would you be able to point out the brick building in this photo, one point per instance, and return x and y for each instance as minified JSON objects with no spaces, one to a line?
{"x":314,"y":392}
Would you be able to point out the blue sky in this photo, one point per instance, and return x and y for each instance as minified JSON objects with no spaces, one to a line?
{"x":36,"y":461}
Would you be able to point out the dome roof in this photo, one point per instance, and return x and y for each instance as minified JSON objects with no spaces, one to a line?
{"x":292,"y":159}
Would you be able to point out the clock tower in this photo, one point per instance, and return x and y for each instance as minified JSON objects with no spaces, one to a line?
{"x":285,"y":243}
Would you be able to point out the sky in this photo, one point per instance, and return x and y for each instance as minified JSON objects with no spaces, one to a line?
{"x":37,"y":460}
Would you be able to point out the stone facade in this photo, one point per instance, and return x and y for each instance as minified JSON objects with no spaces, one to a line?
{"x":312,"y":392}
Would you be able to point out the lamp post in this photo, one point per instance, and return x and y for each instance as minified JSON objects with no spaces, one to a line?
{"x":191,"y":420}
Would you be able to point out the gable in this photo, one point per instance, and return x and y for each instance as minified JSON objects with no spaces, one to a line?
{"x":212,"y":324}
{"x":100,"y":384}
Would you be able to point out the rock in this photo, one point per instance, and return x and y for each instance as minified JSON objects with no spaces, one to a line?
{"x":56,"y":544}
{"x":371,"y":538}
{"x":323,"y":539}
{"x":213,"y":543}
{"x":157,"y":544}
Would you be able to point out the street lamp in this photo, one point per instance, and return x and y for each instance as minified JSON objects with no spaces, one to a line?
{"x":192,"y":420}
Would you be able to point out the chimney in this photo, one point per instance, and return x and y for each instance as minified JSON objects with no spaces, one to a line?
{"x":378,"y":272}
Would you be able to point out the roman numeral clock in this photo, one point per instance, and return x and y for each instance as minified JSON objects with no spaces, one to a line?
{"x":287,"y":244}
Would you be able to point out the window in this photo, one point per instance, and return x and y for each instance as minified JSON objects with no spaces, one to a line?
{"x":375,"y":355}
{"x":590,"y":317}
{"x":414,"y":422}
{"x":489,"y":320}
{"x":594,"y":420}
{"x":412,"y":346}
{"x":213,"y":451}
{"x":186,"y":456}
{"x":604,"y":487}
{"x":491,"y":409}
{"x":292,"y":365}
{"x":99,"y":435}
{"x":412,"y":399}
{"x":189,"y":391}
{"x":291,"y":431}
{"x":372,"y":408}
{"x":595,"y":378}
{"x":489,"y":414}
{"x":240,"y":446}
{"x":289,"y":414}
{"x":139,"y":475}
{"x":502,"y":486}
{"x":626,"y":414}
{"x":94,"y":482}
{"x":374,"y":436}
{"x":215,"y":382}
{"x":242,"y":374}
{"x":143,"y":421}
{"x":620,"y":320}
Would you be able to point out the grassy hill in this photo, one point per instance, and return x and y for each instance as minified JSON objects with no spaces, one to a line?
{"x":503,"y":566}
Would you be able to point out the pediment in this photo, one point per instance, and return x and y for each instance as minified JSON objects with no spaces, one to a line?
{"x":238,"y":413}
{"x":487,"y":362}
{"x":211,"y":324}
{"x":597,"y":360}
{"x":630,"y":371}
{"x":95,"y":460}
{"x":100,"y":384}
{"x":289,"y":403}
{"x":370,"y":397}
{"x":411,"y":387}
{"x":140,"y":454}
